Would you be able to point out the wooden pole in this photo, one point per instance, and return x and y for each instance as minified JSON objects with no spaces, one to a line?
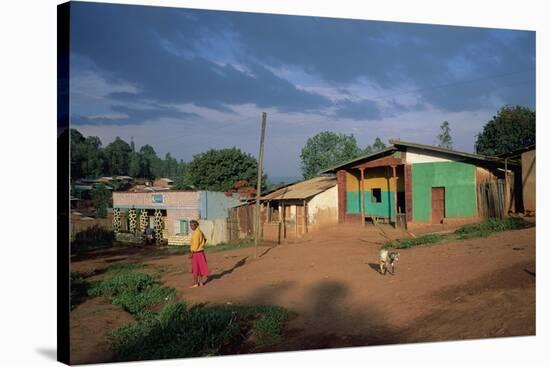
{"x":259,"y":186}
{"x":362,"y":188}
{"x":305,"y":216}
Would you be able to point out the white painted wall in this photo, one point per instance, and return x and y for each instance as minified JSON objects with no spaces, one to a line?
{"x":323,"y":208}
{"x":215,"y":230}
{"x":417,"y":156}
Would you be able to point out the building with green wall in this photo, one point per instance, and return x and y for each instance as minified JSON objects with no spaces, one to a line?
{"x":415,"y":183}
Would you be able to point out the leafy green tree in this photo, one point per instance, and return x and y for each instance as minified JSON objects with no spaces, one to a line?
{"x":219,"y":169}
{"x":378,"y":145}
{"x":117,"y":155}
{"x":87,"y":158}
{"x":444,"y":136}
{"x":181,"y":180}
{"x":512,"y":128}
{"x":150,"y":162}
{"x":101,"y":197}
{"x":327,"y":149}
{"x":134,"y":165}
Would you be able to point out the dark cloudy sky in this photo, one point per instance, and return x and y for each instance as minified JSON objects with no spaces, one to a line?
{"x":187,"y":80}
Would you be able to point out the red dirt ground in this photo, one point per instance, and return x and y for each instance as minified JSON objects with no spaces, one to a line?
{"x":452,"y":291}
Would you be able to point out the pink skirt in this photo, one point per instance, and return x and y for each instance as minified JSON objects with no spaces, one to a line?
{"x":198,"y":264}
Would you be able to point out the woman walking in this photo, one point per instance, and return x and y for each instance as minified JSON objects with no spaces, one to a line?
{"x":199,"y":268}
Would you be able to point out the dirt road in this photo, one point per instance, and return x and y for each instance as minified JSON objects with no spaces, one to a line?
{"x":461,"y":290}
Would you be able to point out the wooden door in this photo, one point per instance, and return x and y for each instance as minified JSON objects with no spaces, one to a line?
{"x":438,"y":204}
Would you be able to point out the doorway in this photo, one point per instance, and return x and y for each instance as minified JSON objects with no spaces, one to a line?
{"x":438,"y":204}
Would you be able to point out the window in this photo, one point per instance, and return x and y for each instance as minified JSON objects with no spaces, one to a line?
{"x":376,"y":195}
{"x":181,"y":226}
{"x":157,"y":198}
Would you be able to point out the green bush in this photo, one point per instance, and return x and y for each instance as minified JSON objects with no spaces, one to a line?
{"x":175,"y":332}
{"x":408,"y":243}
{"x":93,"y":237}
{"x":490,"y":226}
{"x":178,"y":331}
{"x":79,"y":287}
{"x":268,"y":328}
{"x":133,"y":291}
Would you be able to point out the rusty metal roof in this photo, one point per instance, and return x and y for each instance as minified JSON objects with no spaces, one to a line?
{"x":302,"y":190}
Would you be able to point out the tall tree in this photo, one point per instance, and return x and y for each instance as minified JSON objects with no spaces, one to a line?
{"x":378,"y":145}
{"x":219,"y":169}
{"x":327,"y":149}
{"x":444,"y":136}
{"x":512,"y":128}
{"x":87,"y":158}
{"x":117,"y":155}
{"x":134,"y":165}
{"x":101,"y":197}
{"x":150,"y":163}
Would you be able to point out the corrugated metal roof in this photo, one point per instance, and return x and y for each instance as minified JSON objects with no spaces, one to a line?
{"x":302,"y":190}
{"x":398,"y":145}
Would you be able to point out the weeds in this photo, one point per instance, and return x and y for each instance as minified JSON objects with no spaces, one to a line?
{"x":484,"y":229}
{"x":408,"y":243}
{"x":133,"y":291}
{"x":224,"y":246}
{"x":490,"y":226}
{"x":79,"y":289}
{"x":178,"y":331}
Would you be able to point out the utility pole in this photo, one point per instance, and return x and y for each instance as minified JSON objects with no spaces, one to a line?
{"x":259,"y":187}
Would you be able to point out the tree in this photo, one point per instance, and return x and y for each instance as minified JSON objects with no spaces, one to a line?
{"x":101,"y":197}
{"x":117,"y":155}
{"x":378,"y":145}
{"x":134,"y":165}
{"x":87,"y":158}
{"x":512,"y":128}
{"x":327,"y":149}
{"x":219,"y":169}
{"x":150,"y":163}
{"x":444,"y":136}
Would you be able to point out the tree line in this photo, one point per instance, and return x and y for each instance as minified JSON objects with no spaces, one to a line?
{"x":513,"y":127}
{"x":215,"y":169}
{"x":219,"y":169}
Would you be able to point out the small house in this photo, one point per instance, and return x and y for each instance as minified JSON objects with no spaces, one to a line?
{"x":409,"y":184}
{"x":169,"y":213}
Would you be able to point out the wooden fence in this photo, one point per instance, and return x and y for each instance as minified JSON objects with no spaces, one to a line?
{"x":491,"y":199}
{"x":82,"y":225}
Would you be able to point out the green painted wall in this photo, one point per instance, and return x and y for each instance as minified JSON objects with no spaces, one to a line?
{"x":384,"y":208}
{"x":460,"y":189}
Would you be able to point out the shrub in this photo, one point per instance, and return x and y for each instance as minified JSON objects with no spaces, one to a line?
{"x":79,"y":288}
{"x":133,"y":291}
{"x":93,"y":237}
{"x":489,"y":226}
{"x":408,"y":243}
{"x":178,"y":331}
{"x":175,"y":332}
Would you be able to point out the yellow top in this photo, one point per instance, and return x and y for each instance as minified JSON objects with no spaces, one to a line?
{"x":197,"y":240}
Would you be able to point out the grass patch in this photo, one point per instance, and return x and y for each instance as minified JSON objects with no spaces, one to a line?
{"x":224,"y":246}
{"x":490,"y":226}
{"x":178,"y":331}
{"x":123,"y":268}
{"x":134,"y":291}
{"x":79,"y":289}
{"x":483,"y":229}
{"x":412,"y":242}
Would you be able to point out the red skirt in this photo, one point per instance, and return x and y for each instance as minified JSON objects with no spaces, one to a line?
{"x":198,"y":264}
